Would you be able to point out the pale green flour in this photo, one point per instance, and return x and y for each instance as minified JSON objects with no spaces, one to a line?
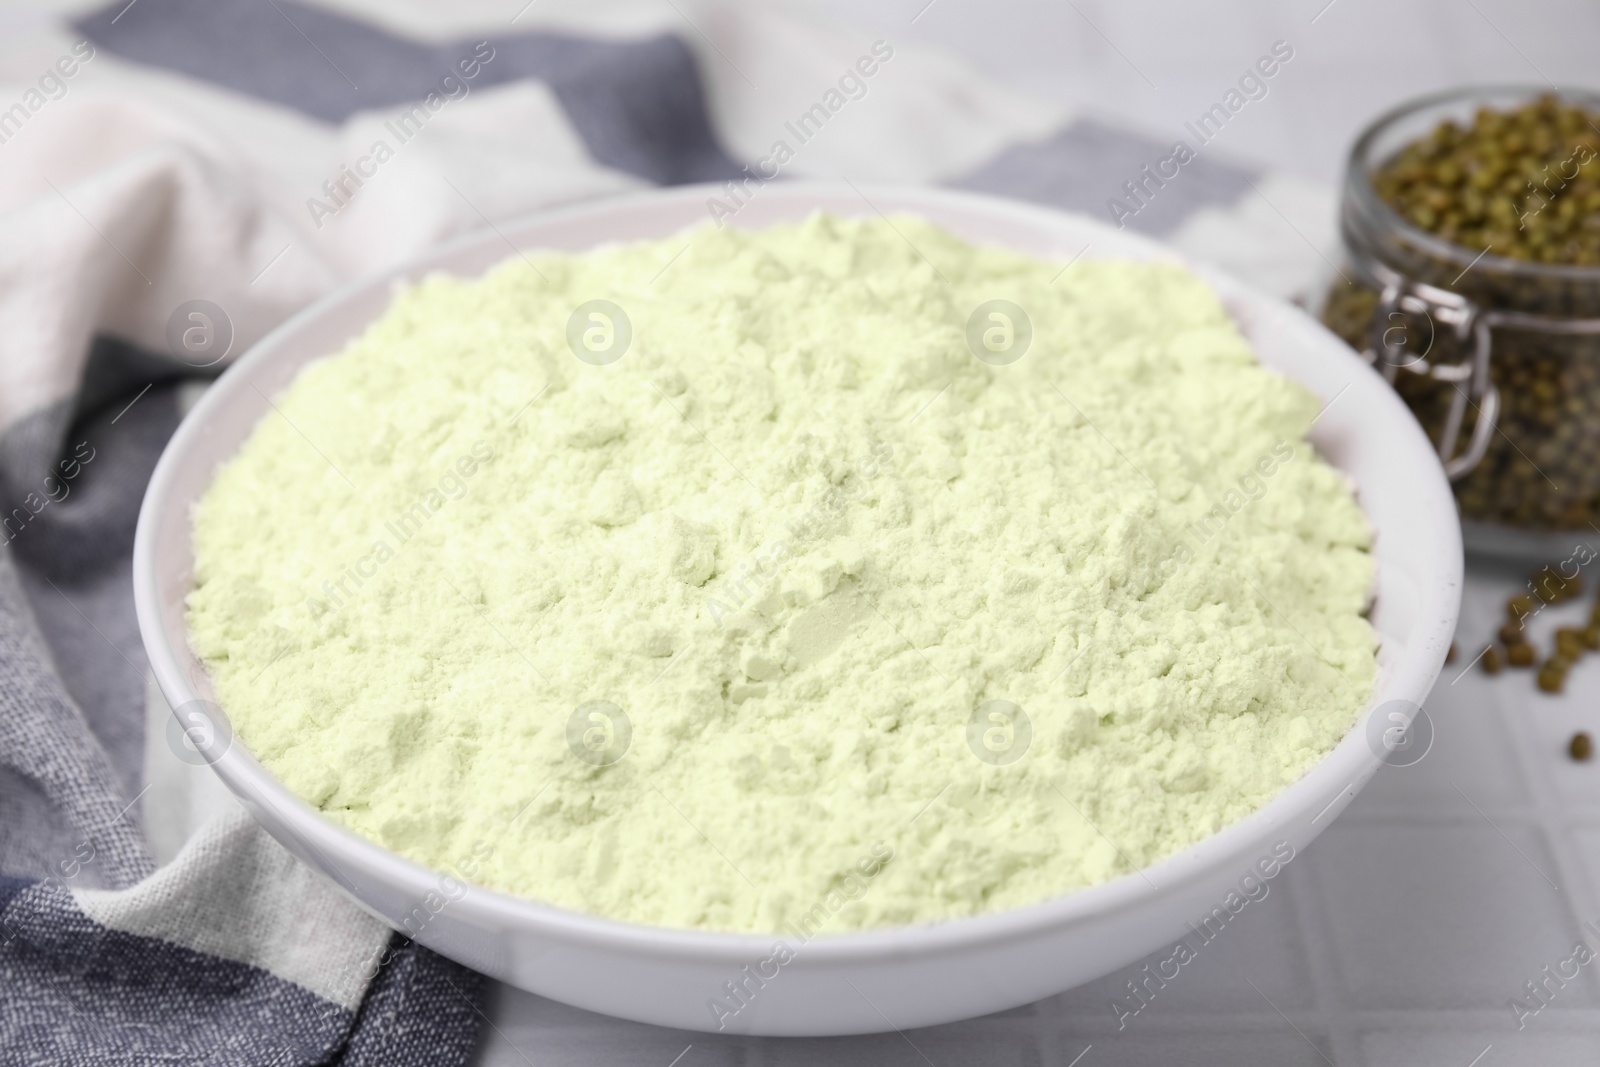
{"x":803,"y":538}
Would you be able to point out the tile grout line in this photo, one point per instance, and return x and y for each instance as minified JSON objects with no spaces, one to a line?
{"x":1551,"y":823}
{"x":1327,"y":985}
{"x":1554,"y":833}
{"x":1227,"y":1020}
{"x":1424,"y":814}
{"x":1542,"y":815}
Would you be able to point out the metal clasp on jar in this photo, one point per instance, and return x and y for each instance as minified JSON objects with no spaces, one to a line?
{"x":1402,"y":296}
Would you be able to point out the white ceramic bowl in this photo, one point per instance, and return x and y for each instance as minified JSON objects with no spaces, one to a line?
{"x":881,"y":979}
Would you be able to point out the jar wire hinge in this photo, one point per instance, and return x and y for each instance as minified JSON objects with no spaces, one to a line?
{"x":1469,"y":379}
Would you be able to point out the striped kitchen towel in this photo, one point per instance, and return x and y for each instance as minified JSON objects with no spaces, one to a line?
{"x":253,"y":154}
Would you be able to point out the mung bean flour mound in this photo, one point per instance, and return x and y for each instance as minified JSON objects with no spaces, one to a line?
{"x":828,"y":577}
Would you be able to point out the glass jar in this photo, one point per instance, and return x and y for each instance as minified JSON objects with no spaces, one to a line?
{"x":1498,"y":358}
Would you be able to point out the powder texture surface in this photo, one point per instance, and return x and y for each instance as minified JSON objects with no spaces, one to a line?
{"x":899,"y":633}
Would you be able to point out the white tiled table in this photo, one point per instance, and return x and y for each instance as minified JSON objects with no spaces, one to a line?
{"x":1150,"y":65}
{"x":1396,"y":939}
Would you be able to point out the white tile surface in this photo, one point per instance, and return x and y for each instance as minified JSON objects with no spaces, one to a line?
{"x":1470,"y":746}
{"x":1440,"y":914}
{"x":1271,"y":1044}
{"x":1460,"y":1049}
{"x":1585,"y":838}
{"x":1357,"y":58}
{"x":982,"y":1041}
{"x":1261,"y":944}
{"x":526,"y":1029}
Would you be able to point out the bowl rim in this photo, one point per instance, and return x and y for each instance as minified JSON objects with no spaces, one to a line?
{"x":1339,"y":773}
